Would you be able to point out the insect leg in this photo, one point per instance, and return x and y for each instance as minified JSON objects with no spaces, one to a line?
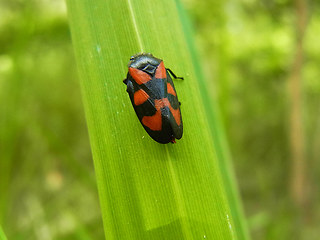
{"x":173,"y":75}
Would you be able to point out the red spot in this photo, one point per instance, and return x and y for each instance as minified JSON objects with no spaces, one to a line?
{"x":139,"y":76}
{"x":170,"y":90}
{"x":153,"y":122}
{"x":161,"y":103}
{"x":140,"y":97}
{"x":175,"y":112}
{"x":161,"y":71}
{"x":176,"y":115}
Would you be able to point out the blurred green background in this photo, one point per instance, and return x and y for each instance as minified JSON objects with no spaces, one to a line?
{"x":261,"y":59}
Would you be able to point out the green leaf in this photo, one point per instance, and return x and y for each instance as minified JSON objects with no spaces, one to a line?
{"x":148,"y":190}
{"x":2,"y":235}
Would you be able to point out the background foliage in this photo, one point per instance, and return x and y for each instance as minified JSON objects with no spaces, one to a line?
{"x":248,"y":51}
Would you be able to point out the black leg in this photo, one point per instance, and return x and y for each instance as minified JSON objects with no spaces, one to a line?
{"x":173,"y":75}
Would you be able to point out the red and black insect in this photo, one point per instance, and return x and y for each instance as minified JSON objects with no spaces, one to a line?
{"x":154,"y":97}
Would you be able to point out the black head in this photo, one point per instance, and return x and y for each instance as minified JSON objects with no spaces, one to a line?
{"x":145,"y":62}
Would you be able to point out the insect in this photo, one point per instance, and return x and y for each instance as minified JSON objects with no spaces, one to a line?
{"x":154,"y":97}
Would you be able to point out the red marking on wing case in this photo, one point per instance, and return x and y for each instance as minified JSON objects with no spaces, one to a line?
{"x":161,"y":103}
{"x":139,"y":76}
{"x":161,"y":71}
{"x":140,"y":97}
{"x":170,"y":90}
{"x":175,"y":112}
{"x":176,"y":115}
{"x":153,"y":122}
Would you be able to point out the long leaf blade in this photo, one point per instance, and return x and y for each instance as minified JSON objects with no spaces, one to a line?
{"x":147,"y":190}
